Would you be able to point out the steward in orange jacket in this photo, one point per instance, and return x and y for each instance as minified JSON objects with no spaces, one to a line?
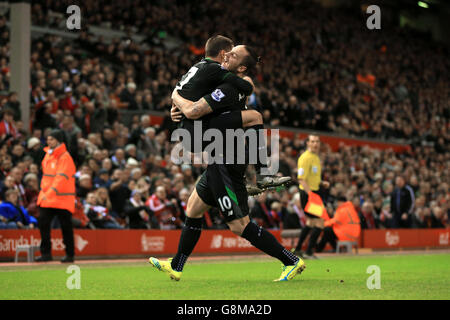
{"x":345,"y":223}
{"x":344,"y":226}
{"x":57,"y":195}
{"x":58,"y":180}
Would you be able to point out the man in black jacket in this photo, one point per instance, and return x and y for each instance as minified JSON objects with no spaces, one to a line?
{"x":402,"y":204}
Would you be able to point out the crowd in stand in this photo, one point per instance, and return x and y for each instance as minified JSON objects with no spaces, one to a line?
{"x":321,"y":71}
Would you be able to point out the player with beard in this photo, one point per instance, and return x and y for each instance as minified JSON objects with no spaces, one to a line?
{"x":223,"y":185}
{"x":202,"y":79}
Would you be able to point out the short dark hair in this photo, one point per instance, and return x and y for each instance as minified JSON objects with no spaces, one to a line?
{"x":251,"y":60}
{"x":8,"y":111}
{"x":217,"y":43}
{"x":312,"y":135}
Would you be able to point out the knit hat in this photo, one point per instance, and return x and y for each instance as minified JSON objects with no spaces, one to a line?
{"x":32,"y":142}
{"x":58,"y":135}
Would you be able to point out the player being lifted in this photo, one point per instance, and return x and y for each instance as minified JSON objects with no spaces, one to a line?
{"x":200,"y":80}
{"x":223,"y":185}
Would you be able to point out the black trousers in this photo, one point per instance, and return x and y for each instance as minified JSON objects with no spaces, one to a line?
{"x":315,"y":231}
{"x":46,"y":216}
{"x":328,"y":237}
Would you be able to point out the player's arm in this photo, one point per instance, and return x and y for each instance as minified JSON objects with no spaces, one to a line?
{"x":304,"y":185}
{"x":221,"y":75}
{"x":242,"y":84}
{"x":192,"y":110}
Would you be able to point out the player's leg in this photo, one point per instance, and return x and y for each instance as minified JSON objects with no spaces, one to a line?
{"x":262,"y":239}
{"x":190,"y":233}
{"x":251,"y":120}
{"x":229,"y":186}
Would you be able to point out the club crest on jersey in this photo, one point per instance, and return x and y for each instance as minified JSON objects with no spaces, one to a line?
{"x":217,"y":95}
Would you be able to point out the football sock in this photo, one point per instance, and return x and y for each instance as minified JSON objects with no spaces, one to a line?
{"x":189,"y":237}
{"x":301,"y":239}
{"x":261,"y":148}
{"x":266,"y":242}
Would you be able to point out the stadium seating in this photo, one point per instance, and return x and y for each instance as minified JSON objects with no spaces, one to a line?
{"x":312,"y":77}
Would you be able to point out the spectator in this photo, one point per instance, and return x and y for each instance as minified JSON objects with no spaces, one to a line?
{"x":8,"y":184}
{"x":17,"y":153}
{"x":79,"y":218}
{"x":104,"y":200}
{"x":119,"y":192}
{"x":148,"y":144}
{"x":13,"y":212}
{"x":14,"y":104}
{"x":17,"y":174}
{"x":139,"y":214}
{"x":68,"y":102}
{"x":368,"y":217}
{"x":127,"y":97}
{"x":164,"y":210}
{"x":35,"y":150}
{"x":84,"y":186}
{"x":118,"y":159}
{"x":98,"y":214}
{"x":102,"y":179}
{"x":421,"y":215}
{"x":402,"y":204}
{"x":6,"y":224}
{"x":439,"y":218}
{"x":31,"y":193}
{"x":8,"y":125}
{"x":44,"y":118}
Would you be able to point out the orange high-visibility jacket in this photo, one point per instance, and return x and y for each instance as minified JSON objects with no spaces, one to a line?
{"x":345,"y":223}
{"x":58,"y":180}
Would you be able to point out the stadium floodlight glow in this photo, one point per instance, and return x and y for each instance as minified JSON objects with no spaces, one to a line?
{"x":422,"y":4}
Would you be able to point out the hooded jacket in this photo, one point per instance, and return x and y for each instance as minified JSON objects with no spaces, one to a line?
{"x":345,"y":223}
{"x":58,"y":180}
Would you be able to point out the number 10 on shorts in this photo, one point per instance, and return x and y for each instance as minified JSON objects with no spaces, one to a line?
{"x":225,"y":204}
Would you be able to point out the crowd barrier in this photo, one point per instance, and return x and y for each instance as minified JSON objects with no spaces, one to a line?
{"x":106,"y":243}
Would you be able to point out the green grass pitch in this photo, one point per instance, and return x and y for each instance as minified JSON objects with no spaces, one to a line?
{"x":342,"y":277}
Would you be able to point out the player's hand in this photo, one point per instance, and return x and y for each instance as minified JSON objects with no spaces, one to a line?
{"x":175,"y":114}
{"x":325,"y":184}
